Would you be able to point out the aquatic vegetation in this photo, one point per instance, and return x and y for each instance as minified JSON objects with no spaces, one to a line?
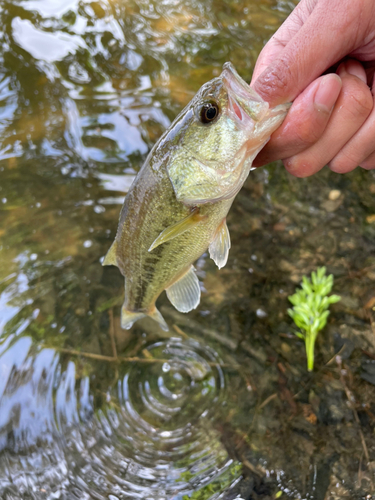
{"x":215,"y":487}
{"x":310,"y":309}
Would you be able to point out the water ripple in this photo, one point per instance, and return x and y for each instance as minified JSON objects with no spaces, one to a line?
{"x":152,"y":437}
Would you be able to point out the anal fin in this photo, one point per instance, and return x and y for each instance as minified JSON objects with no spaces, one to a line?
{"x":110,"y":259}
{"x":128,"y":318}
{"x":220,"y":245}
{"x":185,"y":294}
{"x":178,"y":228}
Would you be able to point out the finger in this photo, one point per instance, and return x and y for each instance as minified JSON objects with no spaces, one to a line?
{"x":369,"y":162}
{"x":351,"y":110}
{"x":360,"y":149}
{"x":328,"y":34}
{"x":282,"y":36}
{"x":305,"y":122}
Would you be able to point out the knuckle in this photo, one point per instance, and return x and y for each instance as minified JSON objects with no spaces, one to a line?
{"x":275,"y":84}
{"x":282,"y":75}
{"x":308,"y":133}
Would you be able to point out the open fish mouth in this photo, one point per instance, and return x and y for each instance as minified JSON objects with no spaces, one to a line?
{"x":238,"y":113}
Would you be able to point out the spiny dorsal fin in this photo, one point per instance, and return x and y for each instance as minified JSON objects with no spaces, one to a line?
{"x":178,"y":228}
{"x":220,"y":245}
{"x":110,"y":259}
{"x":185,"y":294}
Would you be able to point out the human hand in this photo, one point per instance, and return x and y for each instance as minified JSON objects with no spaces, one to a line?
{"x":332,"y":119}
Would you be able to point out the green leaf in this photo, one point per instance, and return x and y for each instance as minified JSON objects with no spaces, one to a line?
{"x":293,"y":299}
{"x":321,"y":271}
{"x":306,"y":285}
{"x":333,"y":299}
{"x":314,"y":278}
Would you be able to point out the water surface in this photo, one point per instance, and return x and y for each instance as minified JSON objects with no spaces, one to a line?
{"x":222,"y":405}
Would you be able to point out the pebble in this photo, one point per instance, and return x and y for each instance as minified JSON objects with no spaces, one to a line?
{"x":261,"y":313}
{"x":334,"y":194}
{"x":285,"y":348}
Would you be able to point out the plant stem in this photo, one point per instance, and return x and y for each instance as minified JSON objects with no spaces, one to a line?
{"x":310,"y":342}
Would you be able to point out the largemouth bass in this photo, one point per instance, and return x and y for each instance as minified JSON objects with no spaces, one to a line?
{"x":177,"y":205}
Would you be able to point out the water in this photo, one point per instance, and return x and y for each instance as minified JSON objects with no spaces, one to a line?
{"x":221,"y":406}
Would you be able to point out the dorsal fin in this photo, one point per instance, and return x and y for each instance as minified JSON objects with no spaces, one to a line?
{"x":110,"y":259}
{"x":185,"y":294}
{"x":220,"y":245}
{"x":178,"y":228}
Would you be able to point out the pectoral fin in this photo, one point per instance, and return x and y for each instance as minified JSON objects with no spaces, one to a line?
{"x":220,"y":245}
{"x":185,"y":294}
{"x":110,"y":259}
{"x":178,"y":228}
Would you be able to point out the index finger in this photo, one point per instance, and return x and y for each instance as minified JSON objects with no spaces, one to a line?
{"x":283,"y":35}
{"x":328,"y":34}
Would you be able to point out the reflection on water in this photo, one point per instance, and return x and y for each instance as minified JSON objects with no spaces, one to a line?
{"x":90,"y":411}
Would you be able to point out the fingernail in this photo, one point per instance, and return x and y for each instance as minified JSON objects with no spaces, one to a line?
{"x":327,"y":93}
{"x":352,"y":68}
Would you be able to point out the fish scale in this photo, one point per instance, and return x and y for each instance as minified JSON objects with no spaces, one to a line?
{"x":173,"y":257}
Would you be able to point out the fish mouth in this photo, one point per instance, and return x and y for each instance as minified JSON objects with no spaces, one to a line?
{"x":245,"y":106}
{"x":238,"y":114}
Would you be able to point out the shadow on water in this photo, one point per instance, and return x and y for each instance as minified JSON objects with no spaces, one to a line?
{"x":221,"y":406}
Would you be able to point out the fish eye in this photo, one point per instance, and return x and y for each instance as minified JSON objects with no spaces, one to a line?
{"x":209,"y":112}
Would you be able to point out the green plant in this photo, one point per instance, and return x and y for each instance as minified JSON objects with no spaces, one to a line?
{"x":310,"y":311}
{"x":218,"y":485}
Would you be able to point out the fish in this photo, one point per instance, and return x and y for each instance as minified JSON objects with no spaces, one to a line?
{"x":177,"y":206}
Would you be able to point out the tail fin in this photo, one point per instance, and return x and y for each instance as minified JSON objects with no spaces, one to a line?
{"x":128,"y":318}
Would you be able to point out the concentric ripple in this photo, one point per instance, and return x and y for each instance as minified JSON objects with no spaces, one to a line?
{"x":168,"y":409}
{"x":152,"y":438}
